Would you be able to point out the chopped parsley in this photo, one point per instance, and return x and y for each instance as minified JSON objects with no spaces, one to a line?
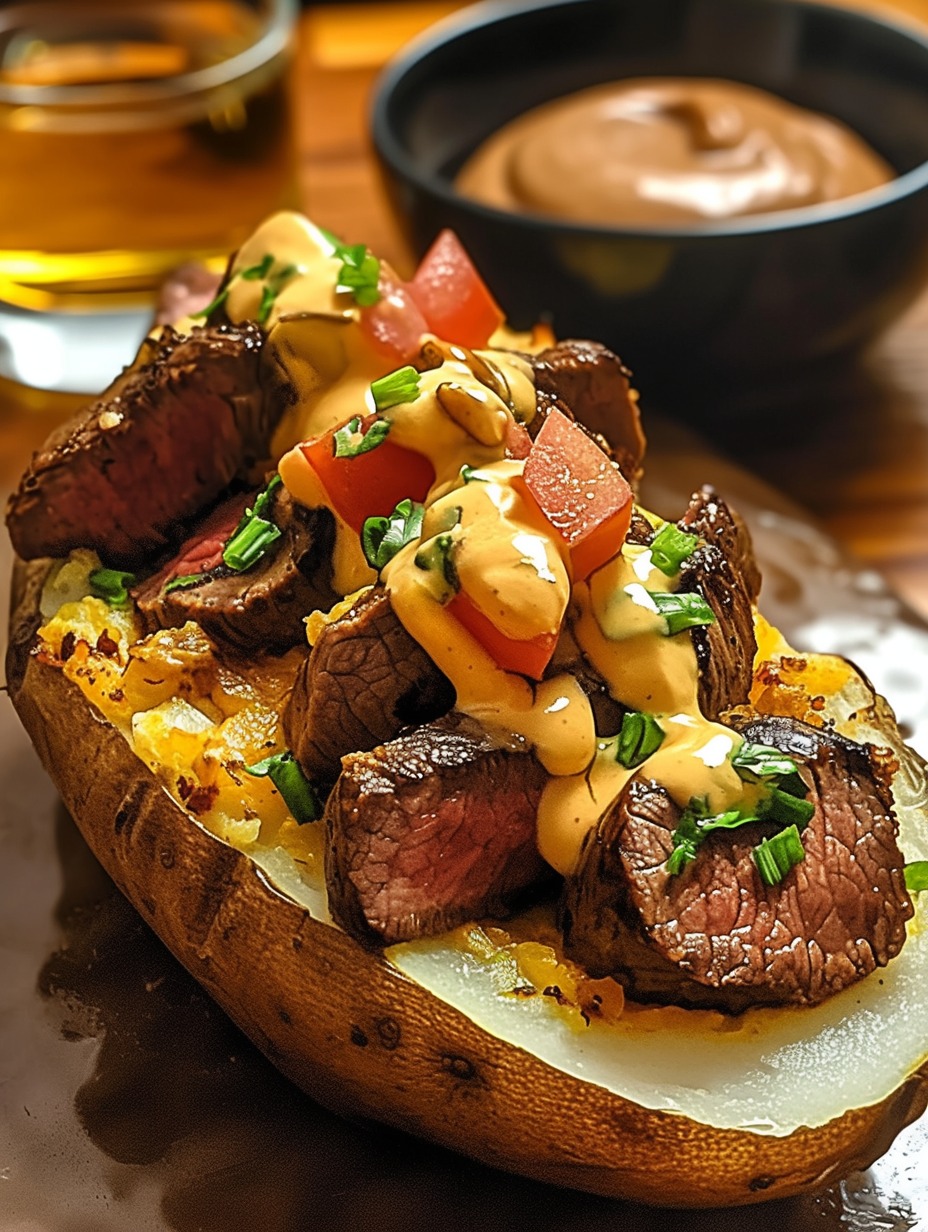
{"x":111,"y":585}
{"x":297,"y":792}
{"x":382,"y":538}
{"x":350,"y":441}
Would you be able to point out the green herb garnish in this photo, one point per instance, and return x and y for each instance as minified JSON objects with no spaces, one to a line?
{"x":436,"y":556}
{"x":255,"y":532}
{"x":471,"y":474}
{"x":350,"y":442}
{"x":359,"y":273}
{"x":261,"y":270}
{"x":756,"y":763}
{"x":680,"y":612}
{"x":183,"y":582}
{"x":775,"y":856}
{"x":639,"y":736}
{"x":395,"y":388}
{"x":111,"y":585}
{"x":916,"y":876}
{"x":205,"y":313}
{"x":382,"y":538}
{"x":247,"y":547}
{"x":670,"y":547}
{"x":272,"y":289}
{"x":297,"y":791}
{"x":694,"y":827}
{"x":783,"y":803}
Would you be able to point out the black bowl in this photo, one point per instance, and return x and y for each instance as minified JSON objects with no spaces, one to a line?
{"x":728,"y":303}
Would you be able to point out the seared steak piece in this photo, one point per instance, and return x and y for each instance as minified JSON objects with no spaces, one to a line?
{"x":162,"y":443}
{"x":714,"y":934}
{"x":592,"y":384}
{"x":723,"y":571}
{"x":431,"y":830}
{"x":364,"y":681}
{"x":713,"y":520}
{"x":260,"y":609}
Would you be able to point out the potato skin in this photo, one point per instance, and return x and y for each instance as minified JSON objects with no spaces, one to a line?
{"x":361,"y":1038}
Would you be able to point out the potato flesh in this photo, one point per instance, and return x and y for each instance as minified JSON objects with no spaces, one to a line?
{"x":769,"y":1071}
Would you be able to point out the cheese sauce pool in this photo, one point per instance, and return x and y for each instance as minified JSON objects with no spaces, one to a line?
{"x":669,"y":150}
{"x":507,"y":558}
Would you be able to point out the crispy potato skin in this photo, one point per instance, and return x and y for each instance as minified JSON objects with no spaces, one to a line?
{"x":362,"y":1039}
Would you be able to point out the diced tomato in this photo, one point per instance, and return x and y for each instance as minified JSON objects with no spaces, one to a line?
{"x":528,"y":658}
{"x":582,"y":494}
{"x":394,"y":324}
{"x":452,"y":296}
{"x":518,"y":441}
{"x":370,"y":484}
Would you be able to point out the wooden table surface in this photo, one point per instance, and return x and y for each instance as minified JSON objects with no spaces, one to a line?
{"x":859,"y":463}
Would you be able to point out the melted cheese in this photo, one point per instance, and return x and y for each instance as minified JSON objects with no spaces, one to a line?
{"x":508,"y":560}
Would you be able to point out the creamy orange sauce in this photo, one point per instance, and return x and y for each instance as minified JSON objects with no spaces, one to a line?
{"x":669,"y":150}
{"x":506,"y":557}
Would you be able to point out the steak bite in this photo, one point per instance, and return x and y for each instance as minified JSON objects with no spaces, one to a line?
{"x":365,"y":680}
{"x":723,"y":571}
{"x":431,"y":830}
{"x":591,"y":384}
{"x":260,"y":609}
{"x":159,"y":445}
{"x":714,"y":934}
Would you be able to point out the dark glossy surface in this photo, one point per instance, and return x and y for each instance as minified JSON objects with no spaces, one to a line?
{"x":744,"y":298}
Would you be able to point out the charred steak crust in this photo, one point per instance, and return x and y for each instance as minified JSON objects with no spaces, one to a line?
{"x":158,"y":446}
{"x":723,"y":571}
{"x":259,"y":610}
{"x":592,"y":384}
{"x":364,"y":681}
{"x":431,"y":830}
{"x":715,"y":935}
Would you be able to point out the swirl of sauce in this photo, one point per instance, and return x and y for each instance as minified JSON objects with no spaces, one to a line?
{"x":669,"y":150}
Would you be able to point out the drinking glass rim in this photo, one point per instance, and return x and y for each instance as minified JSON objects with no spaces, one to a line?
{"x":274,"y":40}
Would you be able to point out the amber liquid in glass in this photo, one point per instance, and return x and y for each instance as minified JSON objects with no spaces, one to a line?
{"x":98,"y":203}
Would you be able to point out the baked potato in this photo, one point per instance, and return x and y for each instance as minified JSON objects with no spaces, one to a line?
{"x":485,"y":1037}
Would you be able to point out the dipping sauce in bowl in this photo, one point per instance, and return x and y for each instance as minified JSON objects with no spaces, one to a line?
{"x":669,"y":150}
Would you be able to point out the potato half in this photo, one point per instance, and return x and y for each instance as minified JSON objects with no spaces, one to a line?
{"x":668,"y":1106}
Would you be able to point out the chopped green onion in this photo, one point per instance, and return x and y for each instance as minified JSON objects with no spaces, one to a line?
{"x":297,"y":791}
{"x":268,"y":296}
{"x":436,"y":556}
{"x":756,"y":763}
{"x":263,"y":499}
{"x":471,"y":474}
{"x":681,"y":612}
{"x":775,"y":856}
{"x":111,"y":585}
{"x":272,"y":289}
{"x":255,"y":532}
{"x":349,"y":443}
{"x":695,"y":825}
{"x":382,"y":538}
{"x":785,"y":808}
{"x":205,"y":313}
{"x":670,"y":547}
{"x":639,"y":736}
{"x":916,"y":876}
{"x":395,"y":388}
{"x":359,"y":273}
{"x":248,"y":545}
{"x":761,"y":761}
{"x":183,"y":582}
{"x":254,"y":272}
